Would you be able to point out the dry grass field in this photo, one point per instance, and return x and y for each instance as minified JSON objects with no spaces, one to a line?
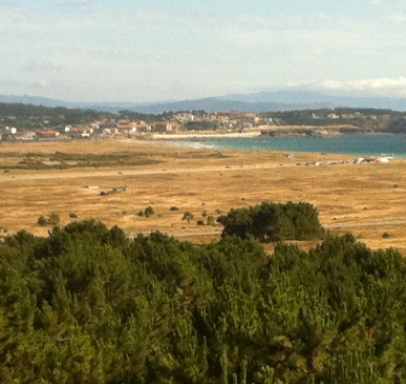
{"x":366,"y":199}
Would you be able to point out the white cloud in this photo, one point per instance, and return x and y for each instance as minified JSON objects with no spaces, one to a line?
{"x":127,"y":53}
{"x":398,"y":18}
{"x":23,"y":86}
{"x":43,"y":65}
{"x":395,"y":87}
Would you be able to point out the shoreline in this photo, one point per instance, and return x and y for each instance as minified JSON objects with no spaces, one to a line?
{"x":254,"y":133}
{"x":207,"y":141}
{"x":195,"y":135}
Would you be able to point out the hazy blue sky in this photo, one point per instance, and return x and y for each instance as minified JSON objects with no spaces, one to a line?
{"x":177,"y":49}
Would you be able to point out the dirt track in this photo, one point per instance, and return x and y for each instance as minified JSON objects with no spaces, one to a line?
{"x":50,"y":175}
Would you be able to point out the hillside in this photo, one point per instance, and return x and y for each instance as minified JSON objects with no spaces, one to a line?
{"x":256,"y":102}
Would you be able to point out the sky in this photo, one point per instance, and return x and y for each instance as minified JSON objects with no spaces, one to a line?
{"x":155,"y":50}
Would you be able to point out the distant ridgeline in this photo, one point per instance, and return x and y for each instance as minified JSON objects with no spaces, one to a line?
{"x":88,"y":305}
{"x":27,"y":116}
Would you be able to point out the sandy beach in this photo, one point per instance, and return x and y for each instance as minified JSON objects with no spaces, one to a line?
{"x":196,"y":135}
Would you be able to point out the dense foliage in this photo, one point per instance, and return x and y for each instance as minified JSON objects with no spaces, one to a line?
{"x":397,"y":125}
{"x":128,"y":114}
{"x":201,"y":126}
{"x":374,"y":120}
{"x":88,"y":305}
{"x":29,"y":116}
{"x":274,"y":222}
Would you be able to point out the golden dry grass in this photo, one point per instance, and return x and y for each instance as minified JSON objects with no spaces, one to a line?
{"x":202,"y":180}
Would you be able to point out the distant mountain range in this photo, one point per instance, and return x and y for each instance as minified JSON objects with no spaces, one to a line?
{"x":254,"y":102}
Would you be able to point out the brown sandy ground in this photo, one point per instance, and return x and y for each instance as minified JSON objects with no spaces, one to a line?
{"x":365,"y":199}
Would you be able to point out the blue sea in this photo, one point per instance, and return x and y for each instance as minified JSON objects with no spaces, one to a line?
{"x":358,"y":145}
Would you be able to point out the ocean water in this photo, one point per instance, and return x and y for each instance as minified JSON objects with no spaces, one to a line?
{"x":358,"y":145}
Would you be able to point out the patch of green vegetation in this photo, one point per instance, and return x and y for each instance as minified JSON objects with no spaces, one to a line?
{"x":88,"y":305}
{"x":52,"y":219}
{"x":368,"y":119}
{"x":274,"y":222}
{"x":60,"y":160}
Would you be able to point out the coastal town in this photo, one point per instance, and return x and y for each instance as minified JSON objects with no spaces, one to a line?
{"x":232,"y":121}
{"x":100,"y":125}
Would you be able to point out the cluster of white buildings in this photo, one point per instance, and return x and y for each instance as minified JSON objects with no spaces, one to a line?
{"x":96,"y":129}
{"x":109,"y":127}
